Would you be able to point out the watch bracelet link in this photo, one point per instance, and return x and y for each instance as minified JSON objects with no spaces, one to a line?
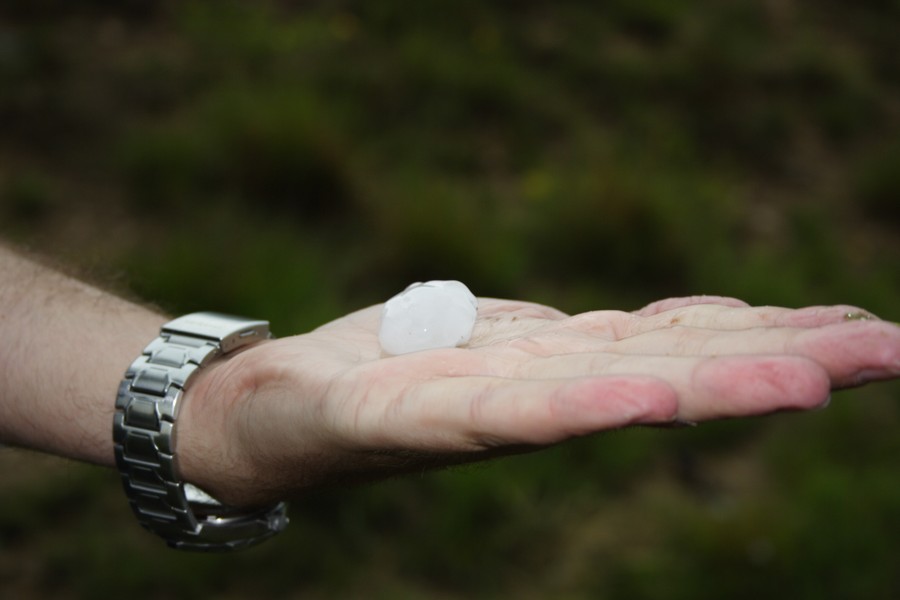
{"x":147,"y":406}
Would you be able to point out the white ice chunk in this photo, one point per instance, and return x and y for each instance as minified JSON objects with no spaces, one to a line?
{"x":425,"y":316}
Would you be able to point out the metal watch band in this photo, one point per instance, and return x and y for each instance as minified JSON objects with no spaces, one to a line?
{"x":147,"y":407}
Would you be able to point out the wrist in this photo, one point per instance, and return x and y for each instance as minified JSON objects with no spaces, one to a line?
{"x":212,"y":449}
{"x":147,"y":435}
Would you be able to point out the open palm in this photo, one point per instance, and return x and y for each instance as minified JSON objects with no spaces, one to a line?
{"x":329,"y":406}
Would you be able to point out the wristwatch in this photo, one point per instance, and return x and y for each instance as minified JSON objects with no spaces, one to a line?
{"x":144,"y":435}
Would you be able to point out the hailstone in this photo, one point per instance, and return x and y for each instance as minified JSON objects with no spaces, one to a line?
{"x":425,"y":316}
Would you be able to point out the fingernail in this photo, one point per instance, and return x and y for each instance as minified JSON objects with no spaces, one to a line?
{"x":824,"y":404}
{"x":680,"y":423}
{"x":869,"y":375}
{"x":860,"y":315}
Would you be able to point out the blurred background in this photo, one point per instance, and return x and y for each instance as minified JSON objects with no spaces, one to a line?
{"x":296,"y":161}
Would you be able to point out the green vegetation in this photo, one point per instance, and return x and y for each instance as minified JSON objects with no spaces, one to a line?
{"x":299,"y":163}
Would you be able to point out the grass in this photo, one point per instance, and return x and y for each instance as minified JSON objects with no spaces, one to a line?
{"x":302,"y":163}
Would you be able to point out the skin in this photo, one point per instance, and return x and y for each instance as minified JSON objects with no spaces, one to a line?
{"x":334,"y":408}
{"x":287,"y":416}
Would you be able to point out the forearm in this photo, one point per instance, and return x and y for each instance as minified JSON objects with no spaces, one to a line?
{"x":66,"y":346}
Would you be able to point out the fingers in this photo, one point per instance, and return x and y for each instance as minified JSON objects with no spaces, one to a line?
{"x":674,"y":303}
{"x":851,"y":353}
{"x":854,"y":353}
{"x":750,"y":385}
{"x":690,"y":359}
{"x":723,"y":317}
{"x":611,"y":325}
{"x":481,"y":413}
{"x":708,"y":387}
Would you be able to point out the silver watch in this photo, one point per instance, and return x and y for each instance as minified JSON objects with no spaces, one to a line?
{"x":144,"y":436}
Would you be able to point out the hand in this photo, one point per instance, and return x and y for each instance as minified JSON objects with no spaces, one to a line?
{"x":329,"y":407}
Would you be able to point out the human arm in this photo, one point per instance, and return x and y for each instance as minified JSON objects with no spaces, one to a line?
{"x":65,"y":347}
{"x":290,"y":415}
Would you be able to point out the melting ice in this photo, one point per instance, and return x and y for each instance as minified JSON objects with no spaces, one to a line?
{"x":425,"y":316}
